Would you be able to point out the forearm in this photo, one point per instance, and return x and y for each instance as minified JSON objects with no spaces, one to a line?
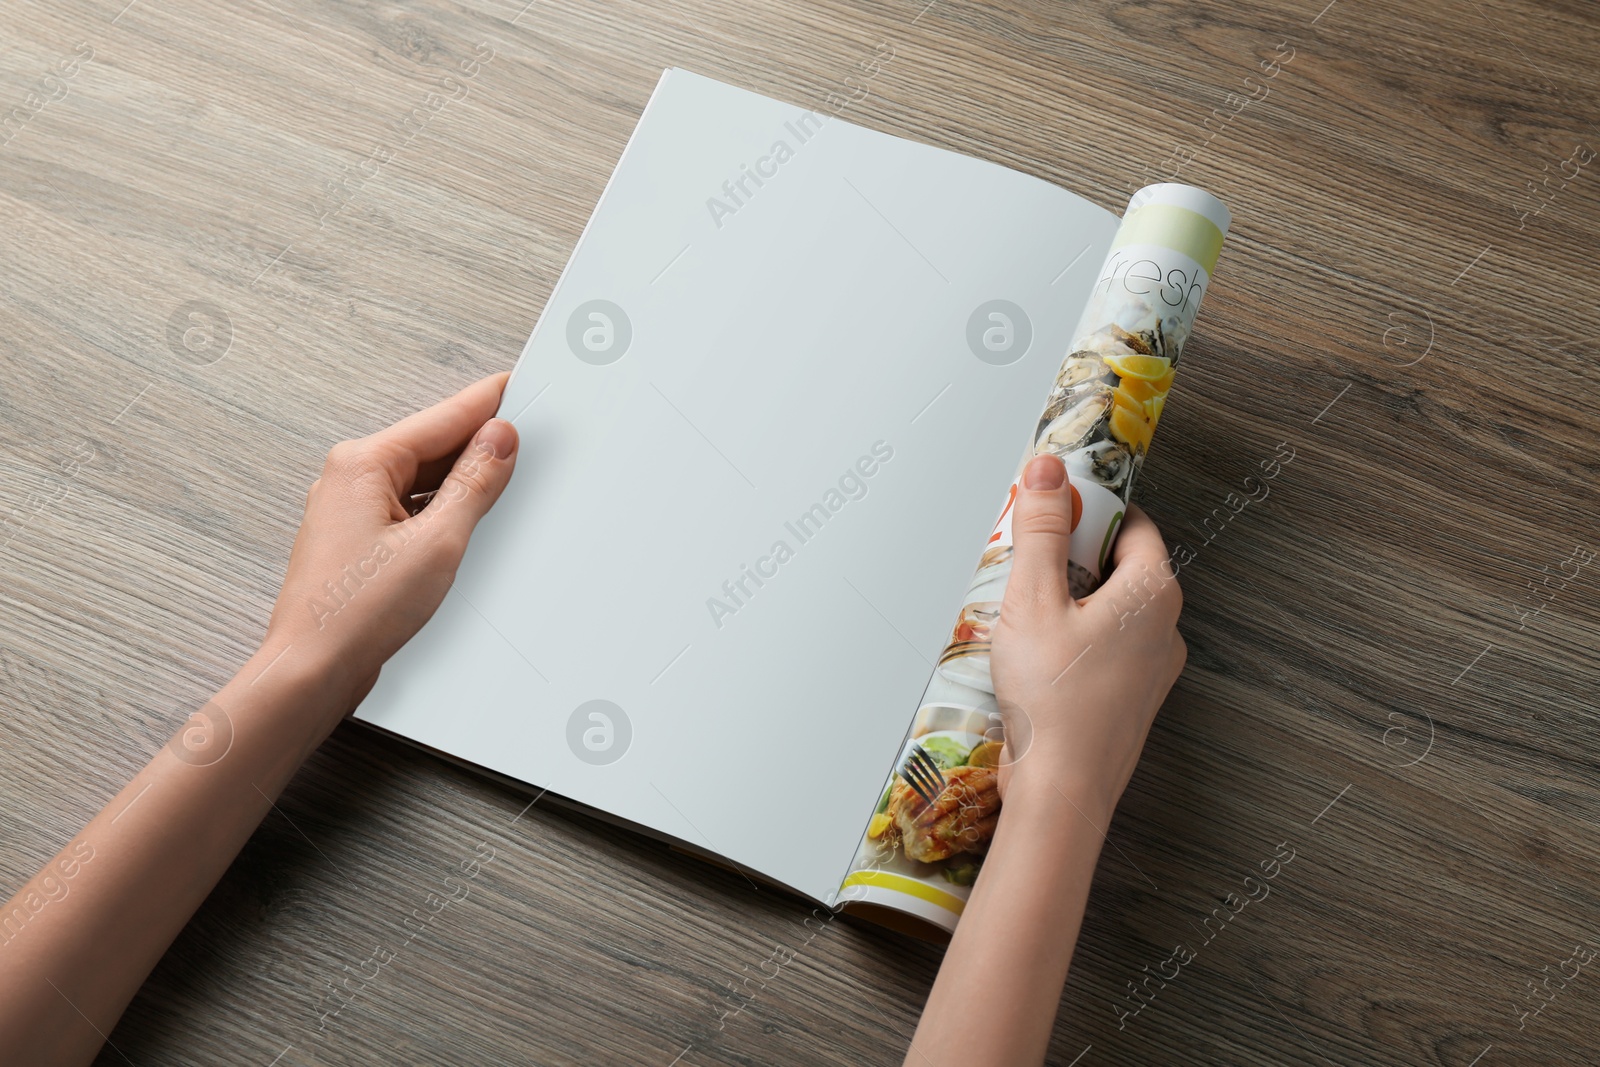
{"x":994,"y":1001}
{"x":77,"y":941}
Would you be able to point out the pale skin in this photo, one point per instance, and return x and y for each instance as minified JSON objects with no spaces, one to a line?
{"x":112,"y":901}
{"x":365,"y":573}
{"x":1078,"y":683}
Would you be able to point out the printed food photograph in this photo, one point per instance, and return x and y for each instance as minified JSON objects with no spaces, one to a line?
{"x":1106,"y":402}
{"x":965,"y":658}
{"x":1103,"y":411}
{"x":937,"y":815}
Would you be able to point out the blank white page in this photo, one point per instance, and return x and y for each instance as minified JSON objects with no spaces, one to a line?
{"x":772,"y":346}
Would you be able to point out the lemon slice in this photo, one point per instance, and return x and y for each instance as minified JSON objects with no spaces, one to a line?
{"x":879,"y":824}
{"x":1122,"y":397}
{"x":1131,"y":427}
{"x":1145,"y":368}
{"x":986,"y":754}
{"x":1139,"y":389}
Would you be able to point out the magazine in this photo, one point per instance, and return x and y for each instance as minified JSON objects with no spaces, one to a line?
{"x":921,"y":853}
{"x":767,"y":415}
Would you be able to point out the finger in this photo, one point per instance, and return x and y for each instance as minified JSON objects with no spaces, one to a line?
{"x":476,"y":481}
{"x":1139,"y":542}
{"x":438,"y":432}
{"x":1041,"y":537}
{"x":1142,"y":566}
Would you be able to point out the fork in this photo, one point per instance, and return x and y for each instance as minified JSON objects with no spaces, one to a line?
{"x":922,"y":773}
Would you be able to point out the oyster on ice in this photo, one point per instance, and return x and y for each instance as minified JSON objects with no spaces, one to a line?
{"x":1153,"y":341}
{"x":1113,"y":340}
{"x":1106,"y":462}
{"x":1080,"y":373}
{"x":1080,"y":367}
{"x":1071,"y":428}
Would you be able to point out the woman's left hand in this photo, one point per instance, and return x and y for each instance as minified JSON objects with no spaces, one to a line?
{"x":368,"y":568}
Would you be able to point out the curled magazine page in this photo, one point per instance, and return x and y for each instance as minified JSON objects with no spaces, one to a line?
{"x":925,"y":842}
{"x":921,"y":858}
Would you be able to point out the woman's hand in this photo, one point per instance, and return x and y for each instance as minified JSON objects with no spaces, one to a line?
{"x":1079,"y":681}
{"x":365,"y":574}
{"x":368,"y":568}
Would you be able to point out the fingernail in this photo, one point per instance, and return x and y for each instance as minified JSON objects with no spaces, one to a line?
{"x":497,"y":438}
{"x":1044,"y":472}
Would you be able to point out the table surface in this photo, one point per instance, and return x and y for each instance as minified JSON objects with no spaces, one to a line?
{"x":235,"y":234}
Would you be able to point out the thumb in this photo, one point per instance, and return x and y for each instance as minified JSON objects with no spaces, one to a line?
{"x":1041,"y":534}
{"x":480,"y":474}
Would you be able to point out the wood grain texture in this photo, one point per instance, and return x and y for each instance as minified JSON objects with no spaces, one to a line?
{"x":1361,"y":685}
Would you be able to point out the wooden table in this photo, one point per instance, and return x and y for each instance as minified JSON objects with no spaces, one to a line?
{"x":234,"y":234}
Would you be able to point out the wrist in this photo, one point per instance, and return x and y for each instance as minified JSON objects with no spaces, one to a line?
{"x":343,"y":657}
{"x":298,"y":676}
{"x":1039,"y":788}
{"x":259,"y":727}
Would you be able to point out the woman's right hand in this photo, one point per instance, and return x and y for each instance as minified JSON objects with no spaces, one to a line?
{"x":1079,"y":681}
